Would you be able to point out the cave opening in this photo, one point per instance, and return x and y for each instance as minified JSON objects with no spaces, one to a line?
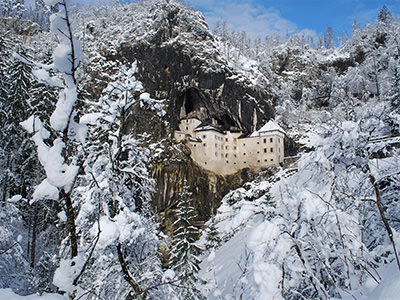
{"x":191,"y":101}
{"x":226,"y":122}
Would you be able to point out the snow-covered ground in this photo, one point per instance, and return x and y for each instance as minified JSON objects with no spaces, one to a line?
{"x":7,"y":294}
{"x":388,"y":289}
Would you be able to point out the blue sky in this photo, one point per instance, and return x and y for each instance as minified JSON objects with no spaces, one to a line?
{"x":261,"y":17}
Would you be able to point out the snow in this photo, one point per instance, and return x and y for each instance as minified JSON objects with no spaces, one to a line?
{"x":15,"y":198}
{"x":61,"y":115}
{"x":169,"y":275}
{"x":390,"y":286}
{"x":62,"y":216}
{"x":7,"y":294}
{"x":45,"y":190}
{"x":58,"y":173}
{"x":51,"y":2}
{"x":109,"y":232}
{"x":65,"y":274}
{"x":43,"y":76}
{"x":387,"y":289}
{"x":34,"y":125}
{"x":207,"y":127}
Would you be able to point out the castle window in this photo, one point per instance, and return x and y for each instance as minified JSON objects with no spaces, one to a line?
{"x":244,"y":144}
{"x":226,"y":147}
{"x":226,"y":139}
{"x":279,"y":140}
{"x":271,"y":140}
{"x":234,"y":139}
{"x":234,"y":163}
{"x":279,"y":149}
{"x":187,"y":121}
{"x":194,"y":145}
{"x":234,"y":155}
{"x":216,"y":145}
{"x":227,"y":162}
{"x":226,"y":155}
{"x":216,"y":153}
{"x":187,"y":128}
{"x":204,"y":136}
{"x":244,"y":153}
{"x":204,"y":145}
{"x":265,"y":159}
{"x":234,"y":148}
{"x":258,"y":161}
{"x":244,"y":162}
{"x":258,"y":143}
{"x":272,"y":149}
{"x":272,"y":159}
{"x":258,"y":152}
{"x":205,"y":163}
{"x":265,"y":141}
{"x":265,"y":150}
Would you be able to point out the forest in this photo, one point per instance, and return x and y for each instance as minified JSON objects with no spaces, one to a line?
{"x":99,"y":201}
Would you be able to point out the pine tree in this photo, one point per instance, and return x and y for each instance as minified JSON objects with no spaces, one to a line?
{"x":41,"y":14}
{"x":385,"y":15}
{"x":14,"y":268}
{"x":22,"y":149}
{"x":184,"y":251}
{"x":394,"y":99}
{"x":212,"y":237}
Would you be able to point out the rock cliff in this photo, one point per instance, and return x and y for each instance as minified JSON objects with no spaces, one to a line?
{"x":178,"y":60}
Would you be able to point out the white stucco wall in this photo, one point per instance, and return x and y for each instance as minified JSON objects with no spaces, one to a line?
{"x":225,"y":153}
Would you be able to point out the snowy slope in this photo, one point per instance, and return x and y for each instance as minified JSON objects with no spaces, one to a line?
{"x":7,"y":294}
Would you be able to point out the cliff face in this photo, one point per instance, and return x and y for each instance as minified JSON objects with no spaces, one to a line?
{"x":173,"y":167}
{"x":178,"y":60}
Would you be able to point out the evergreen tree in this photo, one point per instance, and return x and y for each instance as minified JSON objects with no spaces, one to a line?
{"x":41,"y":14}
{"x":385,"y":15}
{"x":184,"y":251}
{"x":17,"y":144}
{"x":394,"y":99}
{"x":14,"y":268}
{"x":212,"y":237}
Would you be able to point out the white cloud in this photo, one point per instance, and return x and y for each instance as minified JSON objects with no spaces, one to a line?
{"x":255,"y":19}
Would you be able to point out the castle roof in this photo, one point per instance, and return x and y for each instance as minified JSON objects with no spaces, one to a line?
{"x":207,"y":128}
{"x":268,"y":127}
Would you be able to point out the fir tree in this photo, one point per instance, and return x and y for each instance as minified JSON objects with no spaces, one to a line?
{"x":385,"y":15}
{"x":212,"y":237}
{"x":184,"y":252}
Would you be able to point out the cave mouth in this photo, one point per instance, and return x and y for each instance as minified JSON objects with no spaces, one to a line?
{"x":226,"y":122}
{"x":192,"y":100}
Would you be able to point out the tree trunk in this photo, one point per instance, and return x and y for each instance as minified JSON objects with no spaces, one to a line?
{"x":34,"y":234}
{"x":71,"y":227}
{"x":127,"y":276}
{"x":383,"y":217}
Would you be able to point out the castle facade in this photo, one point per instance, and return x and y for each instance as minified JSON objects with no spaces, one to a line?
{"x":226,"y":152}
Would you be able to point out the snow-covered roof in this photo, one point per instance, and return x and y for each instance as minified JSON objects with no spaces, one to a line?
{"x":206,"y":128}
{"x":268,"y":127}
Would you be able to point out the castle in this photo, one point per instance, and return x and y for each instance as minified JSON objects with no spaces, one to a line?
{"x":226,"y":152}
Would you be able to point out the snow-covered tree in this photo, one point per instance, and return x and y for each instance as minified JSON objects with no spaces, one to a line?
{"x":59,"y":151}
{"x":14,"y":267}
{"x":185,"y":252}
{"x":117,"y":189}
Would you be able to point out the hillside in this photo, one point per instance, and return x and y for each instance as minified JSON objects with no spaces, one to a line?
{"x":99,"y":201}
